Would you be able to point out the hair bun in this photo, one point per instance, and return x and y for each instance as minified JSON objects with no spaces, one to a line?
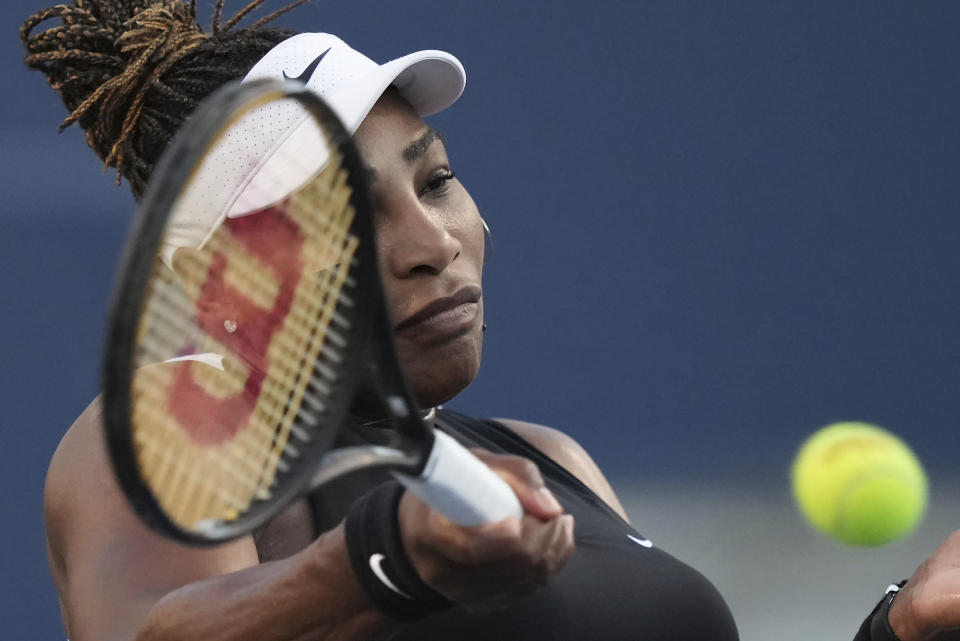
{"x":130,"y":71}
{"x":103,"y":63}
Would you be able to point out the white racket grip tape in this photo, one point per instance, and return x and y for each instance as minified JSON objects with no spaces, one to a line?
{"x":461,"y":487}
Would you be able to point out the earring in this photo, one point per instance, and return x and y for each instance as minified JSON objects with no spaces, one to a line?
{"x":483,"y":327}
{"x":487,"y":241}
{"x":230,"y":326}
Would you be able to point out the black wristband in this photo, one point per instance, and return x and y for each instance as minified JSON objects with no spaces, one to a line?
{"x":880,"y":629}
{"x":372,"y":531}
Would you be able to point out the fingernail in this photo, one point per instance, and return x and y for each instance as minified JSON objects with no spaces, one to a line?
{"x":547,"y":501}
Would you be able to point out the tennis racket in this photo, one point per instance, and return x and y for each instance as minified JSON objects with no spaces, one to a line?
{"x":247,"y":313}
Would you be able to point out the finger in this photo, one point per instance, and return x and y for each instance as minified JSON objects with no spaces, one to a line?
{"x":530,"y":547}
{"x":550,"y":545}
{"x":524,"y":478}
{"x":563,"y":545}
{"x":546,"y":549}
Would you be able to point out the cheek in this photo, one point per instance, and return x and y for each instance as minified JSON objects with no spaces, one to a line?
{"x":474,"y":244}
{"x":466,"y":224}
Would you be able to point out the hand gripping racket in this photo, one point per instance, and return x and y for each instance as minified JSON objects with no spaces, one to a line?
{"x":247,"y":312}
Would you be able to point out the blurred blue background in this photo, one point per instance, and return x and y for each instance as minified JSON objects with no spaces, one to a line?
{"x":717,"y":227}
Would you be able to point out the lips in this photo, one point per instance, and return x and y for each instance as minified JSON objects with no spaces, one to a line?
{"x":447,"y":315}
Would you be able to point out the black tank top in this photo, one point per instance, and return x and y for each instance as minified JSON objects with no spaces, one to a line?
{"x":618,"y":586}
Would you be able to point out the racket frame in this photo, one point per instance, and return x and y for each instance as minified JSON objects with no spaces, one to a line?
{"x":182,"y":158}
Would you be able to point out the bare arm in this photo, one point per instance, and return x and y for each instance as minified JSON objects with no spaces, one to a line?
{"x":119,"y":581}
{"x":311,"y":595}
{"x":568,"y":453}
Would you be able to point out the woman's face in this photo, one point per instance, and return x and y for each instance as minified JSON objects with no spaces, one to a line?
{"x":430,"y":247}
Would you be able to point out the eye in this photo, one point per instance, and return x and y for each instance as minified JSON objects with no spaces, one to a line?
{"x":438,"y":182}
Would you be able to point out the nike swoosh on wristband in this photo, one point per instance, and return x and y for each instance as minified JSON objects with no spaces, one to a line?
{"x":308,"y":72}
{"x":647,"y":543}
{"x":375,"y":561}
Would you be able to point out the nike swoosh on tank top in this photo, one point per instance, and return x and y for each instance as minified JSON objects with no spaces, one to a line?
{"x":618,"y":585}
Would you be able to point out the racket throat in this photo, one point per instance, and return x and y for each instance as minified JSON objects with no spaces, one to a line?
{"x":344,"y":460}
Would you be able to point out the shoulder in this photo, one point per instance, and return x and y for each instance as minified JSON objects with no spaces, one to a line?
{"x":568,"y":453}
{"x":69,"y":467}
{"x":108,"y":567}
{"x":75,"y":464}
{"x":80,"y":481}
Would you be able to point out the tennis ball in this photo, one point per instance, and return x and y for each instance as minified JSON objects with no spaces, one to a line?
{"x":859,"y":484}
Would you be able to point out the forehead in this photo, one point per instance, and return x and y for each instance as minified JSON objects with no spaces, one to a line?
{"x":393,"y":134}
{"x":391,"y":118}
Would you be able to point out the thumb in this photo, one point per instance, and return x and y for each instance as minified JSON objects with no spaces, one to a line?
{"x":524,"y":478}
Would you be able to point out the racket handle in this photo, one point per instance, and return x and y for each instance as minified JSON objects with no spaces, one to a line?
{"x":461,"y":487}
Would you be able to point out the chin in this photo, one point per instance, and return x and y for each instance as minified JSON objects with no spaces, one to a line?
{"x":439,"y":375}
{"x":433,"y":395}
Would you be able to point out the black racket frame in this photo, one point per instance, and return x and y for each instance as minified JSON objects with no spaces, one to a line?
{"x":370,"y":350}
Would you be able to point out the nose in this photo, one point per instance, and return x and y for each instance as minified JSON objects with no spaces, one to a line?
{"x":418,"y":240}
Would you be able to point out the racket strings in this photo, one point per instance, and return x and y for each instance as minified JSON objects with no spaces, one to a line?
{"x":199,"y":476}
{"x":327,"y":240}
{"x":254,"y":439}
{"x":167,"y":306}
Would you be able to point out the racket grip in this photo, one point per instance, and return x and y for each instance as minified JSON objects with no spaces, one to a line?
{"x":461,"y":487}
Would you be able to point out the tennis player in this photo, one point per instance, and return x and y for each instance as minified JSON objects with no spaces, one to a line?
{"x":130,"y":72}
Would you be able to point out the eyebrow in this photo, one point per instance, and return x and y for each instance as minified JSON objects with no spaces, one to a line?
{"x":419,"y":147}
{"x":413,"y":151}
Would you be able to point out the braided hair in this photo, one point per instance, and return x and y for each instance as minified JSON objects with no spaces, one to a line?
{"x":131,"y":71}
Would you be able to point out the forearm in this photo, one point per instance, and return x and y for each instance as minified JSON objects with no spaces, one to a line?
{"x":311,"y":596}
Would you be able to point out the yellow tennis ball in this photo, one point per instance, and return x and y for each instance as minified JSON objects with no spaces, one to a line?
{"x":859,"y":484}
